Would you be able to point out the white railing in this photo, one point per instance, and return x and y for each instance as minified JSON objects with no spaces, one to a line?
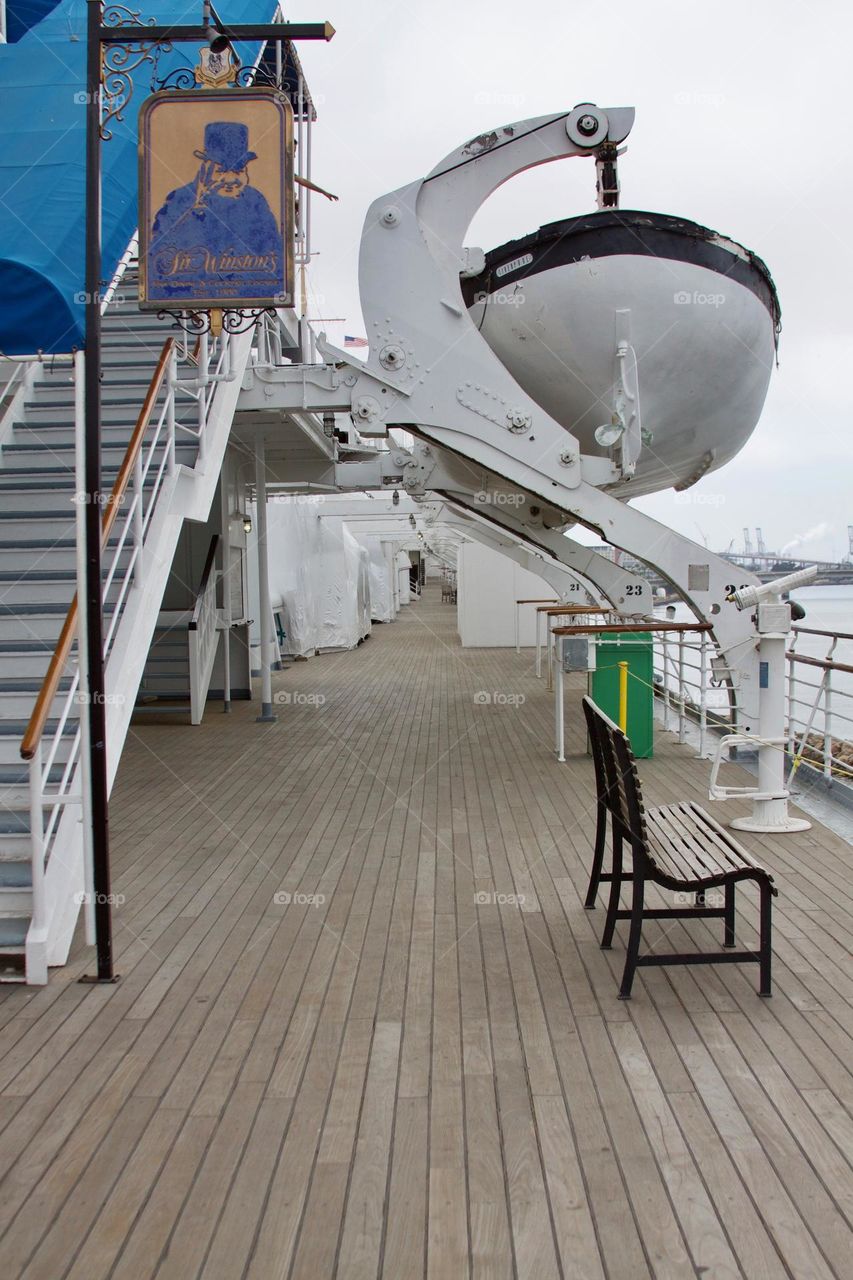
{"x":214,"y":359}
{"x":819,"y":730}
{"x":203,"y":636}
{"x":149,"y":462}
{"x":685,"y":672}
{"x":127,"y":259}
{"x":820,"y":705}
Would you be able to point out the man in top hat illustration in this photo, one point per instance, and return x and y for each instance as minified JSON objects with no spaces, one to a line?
{"x":220,"y":213}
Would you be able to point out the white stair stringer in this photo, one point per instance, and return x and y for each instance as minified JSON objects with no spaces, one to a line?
{"x":188,"y":496}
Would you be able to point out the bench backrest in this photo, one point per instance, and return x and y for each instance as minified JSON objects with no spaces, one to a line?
{"x":616,"y":778}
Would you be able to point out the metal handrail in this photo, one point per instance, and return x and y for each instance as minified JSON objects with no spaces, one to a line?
{"x":813,"y":631}
{"x":35,"y":728}
{"x":205,"y":579}
{"x":825,"y":664}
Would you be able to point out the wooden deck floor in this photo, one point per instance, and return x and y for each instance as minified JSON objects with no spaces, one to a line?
{"x":418,"y":1064}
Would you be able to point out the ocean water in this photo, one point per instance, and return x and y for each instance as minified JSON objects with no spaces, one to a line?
{"x":827,"y":609}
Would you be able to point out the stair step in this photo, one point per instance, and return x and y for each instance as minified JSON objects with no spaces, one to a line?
{"x":111,"y":414}
{"x":33,"y":663}
{"x":130,"y":389}
{"x":164,"y":686}
{"x":33,"y":622}
{"x":17,"y":704}
{"x":57,"y":497}
{"x":60,"y":471}
{"x":166,"y":705}
{"x":38,"y":524}
{"x":13,"y":933}
{"x":20,"y":594}
{"x":138,"y":359}
{"x":36,"y":575}
{"x":15,"y":828}
{"x":24,"y":456}
{"x":10,"y":728}
{"x":57,"y":435}
{"x":19,"y":776}
{"x":18,"y":847}
{"x":10,"y":746}
{"x":16,"y":559}
{"x":16,"y":875}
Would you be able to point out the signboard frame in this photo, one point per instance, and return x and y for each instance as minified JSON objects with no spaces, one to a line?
{"x":209,"y":103}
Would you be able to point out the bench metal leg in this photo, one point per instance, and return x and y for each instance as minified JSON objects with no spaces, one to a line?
{"x":766,"y":953}
{"x":615,"y":886}
{"x":729,"y":918}
{"x":597,"y":858}
{"x":633,"y":938}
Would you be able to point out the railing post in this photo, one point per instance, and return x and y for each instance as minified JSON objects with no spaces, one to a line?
{"x":703,"y":693}
{"x":225,"y":579}
{"x":664,"y":641}
{"x":39,"y":916}
{"x":558,"y":706}
{"x":828,"y":723}
{"x":138,"y":518}
{"x":170,"y":408}
{"x":790,"y":733}
{"x":681,"y":734}
{"x":203,"y":380}
{"x":623,"y":696}
{"x":263,"y":581}
{"x":193,"y":663}
{"x":84,"y":762}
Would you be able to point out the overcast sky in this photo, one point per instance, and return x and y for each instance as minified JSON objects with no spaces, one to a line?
{"x":741,"y":125}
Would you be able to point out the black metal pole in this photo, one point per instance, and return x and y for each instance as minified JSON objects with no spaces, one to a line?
{"x":93,"y":686}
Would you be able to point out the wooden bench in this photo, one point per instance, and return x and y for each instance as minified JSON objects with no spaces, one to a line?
{"x":679,"y":847}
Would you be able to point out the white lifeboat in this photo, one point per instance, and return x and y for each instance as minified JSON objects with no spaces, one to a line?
{"x":696,"y":316}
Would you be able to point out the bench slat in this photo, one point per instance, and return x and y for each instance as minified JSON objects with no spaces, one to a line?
{"x":683,"y":840}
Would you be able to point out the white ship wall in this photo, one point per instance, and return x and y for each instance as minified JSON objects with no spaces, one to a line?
{"x":488,"y":585}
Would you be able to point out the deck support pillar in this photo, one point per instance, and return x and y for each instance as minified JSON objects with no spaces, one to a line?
{"x":266,"y":715}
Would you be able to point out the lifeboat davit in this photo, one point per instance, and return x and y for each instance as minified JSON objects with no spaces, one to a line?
{"x":702,"y":326}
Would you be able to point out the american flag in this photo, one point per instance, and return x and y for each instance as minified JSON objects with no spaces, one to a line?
{"x":350,"y":341}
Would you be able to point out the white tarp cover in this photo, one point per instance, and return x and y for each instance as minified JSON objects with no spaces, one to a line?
{"x":404,"y":566}
{"x":381,"y":600}
{"x":319,"y":578}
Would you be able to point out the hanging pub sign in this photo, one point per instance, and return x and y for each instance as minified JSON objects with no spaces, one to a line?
{"x":216,"y":200}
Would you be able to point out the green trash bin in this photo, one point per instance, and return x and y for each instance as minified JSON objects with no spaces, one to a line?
{"x":635,"y":648}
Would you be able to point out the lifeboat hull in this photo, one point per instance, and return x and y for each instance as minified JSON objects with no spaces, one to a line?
{"x":703,"y":323}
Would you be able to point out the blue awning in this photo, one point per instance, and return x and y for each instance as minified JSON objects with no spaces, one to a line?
{"x":23,"y":14}
{"x":42,"y":169}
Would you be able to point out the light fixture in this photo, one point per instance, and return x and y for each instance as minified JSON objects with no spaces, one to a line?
{"x":610,"y":433}
{"x":247,"y":524}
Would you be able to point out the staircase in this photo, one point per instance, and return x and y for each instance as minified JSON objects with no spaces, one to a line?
{"x":164,"y":689}
{"x":38,"y":581}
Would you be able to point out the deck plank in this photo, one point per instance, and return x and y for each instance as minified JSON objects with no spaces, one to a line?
{"x":414,"y":1064}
